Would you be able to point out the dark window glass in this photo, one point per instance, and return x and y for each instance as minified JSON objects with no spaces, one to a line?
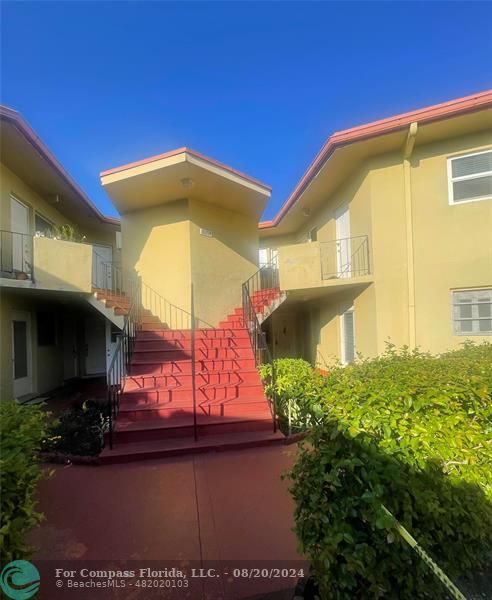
{"x":20,"y":349}
{"x":46,"y":329}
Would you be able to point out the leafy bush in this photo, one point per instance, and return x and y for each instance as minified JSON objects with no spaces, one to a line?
{"x":412,"y":432}
{"x":78,"y":432}
{"x":298,"y":393}
{"x":22,"y":430}
{"x":68,"y":233}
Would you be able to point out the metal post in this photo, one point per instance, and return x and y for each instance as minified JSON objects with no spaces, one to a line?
{"x":193,"y":382}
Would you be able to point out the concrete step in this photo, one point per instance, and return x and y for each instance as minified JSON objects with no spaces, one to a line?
{"x":148,"y":450}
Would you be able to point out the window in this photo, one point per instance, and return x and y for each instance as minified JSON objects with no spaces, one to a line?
{"x":472,"y":312}
{"x":470,"y":177}
{"x":348,"y":336}
{"x":46,"y":329}
{"x":41,"y":225}
{"x":266,"y":256}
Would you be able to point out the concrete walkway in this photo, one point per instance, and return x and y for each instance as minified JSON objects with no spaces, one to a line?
{"x":220,"y":511}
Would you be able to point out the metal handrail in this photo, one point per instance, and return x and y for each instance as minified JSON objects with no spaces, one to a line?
{"x":16,"y":253}
{"x":339,"y":258}
{"x":266,"y":277}
{"x":261,"y":351}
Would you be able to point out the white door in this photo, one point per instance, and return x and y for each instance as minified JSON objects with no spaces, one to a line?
{"x":21,"y":353}
{"x":343,"y":243}
{"x":95,"y":346}
{"x":70,"y":353}
{"x":102,"y":257}
{"x":19,"y":221}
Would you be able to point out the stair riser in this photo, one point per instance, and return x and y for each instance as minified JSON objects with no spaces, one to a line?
{"x":175,"y":410}
{"x":191,"y":449}
{"x":205,"y":394}
{"x":185,"y":379}
{"x":121,"y":437}
{"x":176,"y":367}
{"x":185,"y":345}
{"x":200,"y":354}
{"x":185,"y":334}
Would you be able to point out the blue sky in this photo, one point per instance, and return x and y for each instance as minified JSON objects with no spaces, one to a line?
{"x":259,"y":86}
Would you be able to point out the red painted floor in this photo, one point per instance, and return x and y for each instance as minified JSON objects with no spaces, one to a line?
{"x":220,"y":511}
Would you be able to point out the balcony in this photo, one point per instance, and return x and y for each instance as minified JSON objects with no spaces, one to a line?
{"x":45,"y":263}
{"x":318,"y":268}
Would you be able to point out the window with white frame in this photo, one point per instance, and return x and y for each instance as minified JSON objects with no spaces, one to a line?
{"x":470,"y":177}
{"x":472,"y":312}
{"x":348,"y":336}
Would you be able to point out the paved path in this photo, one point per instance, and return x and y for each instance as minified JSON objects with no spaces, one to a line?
{"x":217,"y":510}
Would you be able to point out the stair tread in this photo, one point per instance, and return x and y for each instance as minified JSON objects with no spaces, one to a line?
{"x":225,"y":440}
{"x":202,"y":419}
{"x":188,"y":403}
{"x":189,"y":388}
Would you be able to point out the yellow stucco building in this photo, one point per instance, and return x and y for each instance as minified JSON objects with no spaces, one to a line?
{"x":386,"y":238}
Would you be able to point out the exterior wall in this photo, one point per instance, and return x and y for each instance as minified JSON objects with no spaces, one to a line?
{"x":60,"y":265}
{"x":452,"y":249}
{"x":156,"y":244}
{"x":222,"y":263}
{"x":452,"y":243}
{"x":47,"y":361}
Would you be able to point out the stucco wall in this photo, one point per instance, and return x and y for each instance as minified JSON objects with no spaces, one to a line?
{"x":61,"y":265}
{"x":452,"y":243}
{"x":221,"y":264}
{"x":156,"y":244}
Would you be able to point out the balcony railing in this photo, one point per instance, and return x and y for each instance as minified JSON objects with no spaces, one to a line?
{"x":15,"y":255}
{"x":345,"y":258}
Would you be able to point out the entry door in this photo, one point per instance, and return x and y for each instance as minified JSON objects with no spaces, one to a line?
{"x":343,"y":243}
{"x":102,"y":257}
{"x":21,"y":353}
{"x":19,"y":220}
{"x":70,"y":353}
{"x":95,"y":346}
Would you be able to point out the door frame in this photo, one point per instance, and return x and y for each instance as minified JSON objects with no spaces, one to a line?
{"x":21,"y":315}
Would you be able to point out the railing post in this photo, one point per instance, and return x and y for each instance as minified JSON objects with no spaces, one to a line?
{"x":193,"y":373}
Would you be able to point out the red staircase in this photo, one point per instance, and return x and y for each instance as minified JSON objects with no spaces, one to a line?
{"x":120,"y":303}
{"x":261,"y":301}
{"x":156,"y":417}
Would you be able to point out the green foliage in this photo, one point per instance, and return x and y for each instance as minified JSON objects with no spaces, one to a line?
{"x":22,"y":430}
{"x":298,"y":393}
{"x":78,"y":432}
{"x":68,"y":233}
{"x":413,"y":432}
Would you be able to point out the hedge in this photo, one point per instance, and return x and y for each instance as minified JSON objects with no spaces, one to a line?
{"x":22,"y":430}
{"x":412,"y":432}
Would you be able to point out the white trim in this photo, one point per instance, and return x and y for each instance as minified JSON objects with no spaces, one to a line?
{"x":342,"y":334}
{"x":474,"y":319}
{"x":22,"y":316}
{"x":452,"y":179}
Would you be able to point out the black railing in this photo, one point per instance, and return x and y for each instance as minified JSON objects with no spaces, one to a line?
{"x":16,"y":252}
{"x":345,"y":258}
{"x":266,"y":278}
{"x":260,"y":347}
{"x":141,"y":298}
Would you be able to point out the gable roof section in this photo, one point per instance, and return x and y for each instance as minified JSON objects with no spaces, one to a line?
{"x":14,"y":117}
{"x":186,"y":151}
{"x":436,"y":112}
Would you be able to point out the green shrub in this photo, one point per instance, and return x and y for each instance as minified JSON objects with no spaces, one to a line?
{"x":413,"y":432}
{"x":298,"y":393}
{"x":22,"y":430}
{"x":79,"y":431}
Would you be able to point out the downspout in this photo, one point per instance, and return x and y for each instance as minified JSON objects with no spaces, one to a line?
{"x":407,"y":187}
